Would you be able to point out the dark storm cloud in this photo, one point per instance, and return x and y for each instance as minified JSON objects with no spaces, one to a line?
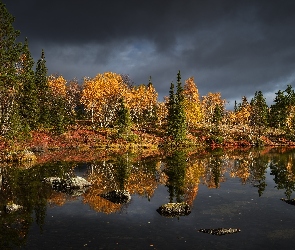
{"x":232,"y":47}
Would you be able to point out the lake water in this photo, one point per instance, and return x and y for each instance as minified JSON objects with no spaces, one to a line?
{"x":224,"y":189}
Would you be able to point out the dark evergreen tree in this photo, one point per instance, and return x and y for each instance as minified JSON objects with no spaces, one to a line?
{"x":171,"y":112}
{"x":29,"y":107}
{"x":43,"y":91}
{"x":60,"y":113}
{"x":236,"y":106}
{"x":244,"y":103}
{"x":176,"y":164}
{"x":123,"y":118}
{"x":176,"y":121}
{"x":217,"y":115}
{"x":259,"y":111}
{"x":284,"y":103}
{"x":10,"y":87}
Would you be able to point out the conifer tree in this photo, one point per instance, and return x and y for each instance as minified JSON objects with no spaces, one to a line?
{"x":10,"y":86}
{"x":29,"y":100}
{"x":171,"y":112}
{"x":43,"y":91}
{"x":176,"y":120}
{"x":258,"y":111}
{"x":283,"y":108}
{"x":180,"y":111}
{"x":123,"y":118}
{"x":217,"y":115}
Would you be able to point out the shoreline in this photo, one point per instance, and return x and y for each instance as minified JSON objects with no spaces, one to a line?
{"x":90,"y":144}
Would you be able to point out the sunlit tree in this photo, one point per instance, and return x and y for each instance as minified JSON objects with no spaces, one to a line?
{"x":59,"y":108}
{"x":209,"y":103}
{"x":101,"y":96}
{"x":141,"y":101}
{"x":192,"y":104}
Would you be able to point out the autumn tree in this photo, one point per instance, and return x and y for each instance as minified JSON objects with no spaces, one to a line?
{"x":59,"y":107}
{"x":209,"y":103}
{"x":242,"y":114}
{"x":74,"y":93}
{"x":101,"y":96}
{"x":192,"y":104}
{"x":142,"y":101}
{"x":10,"y":86}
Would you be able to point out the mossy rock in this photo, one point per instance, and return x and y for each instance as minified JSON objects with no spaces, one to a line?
{"x":174,"y":209}
{"x":220,"y":231}
{"x":117,"y":196}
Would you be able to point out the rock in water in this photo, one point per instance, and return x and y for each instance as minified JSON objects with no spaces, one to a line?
{"x":11,"y":208}
{"x":73,"y":186}
{"x":220,"y":231}
{"x":174,"y":209}
{"x":289,"y":201}
{"x":117,"y":196}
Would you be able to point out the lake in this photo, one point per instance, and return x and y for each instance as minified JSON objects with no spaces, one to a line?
{"x":237,"y":189}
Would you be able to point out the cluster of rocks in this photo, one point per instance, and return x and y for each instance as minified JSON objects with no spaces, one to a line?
{"x":73,"y":185}
{"x":174,"y":209}
{"x":117,"y":196}
{"x":220,"y":231}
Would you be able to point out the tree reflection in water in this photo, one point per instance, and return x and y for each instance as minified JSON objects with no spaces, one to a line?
{"x":180,"y":172}
{"x":283,"y":168}
{"x":25,"y":187}
{"x":126,"y":172}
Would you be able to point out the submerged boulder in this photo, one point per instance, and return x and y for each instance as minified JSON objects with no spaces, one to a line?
{"x":174,"y":209}
{"x":73,"y":185}
{"x":117,"y":196}
{"x":220,"y":231}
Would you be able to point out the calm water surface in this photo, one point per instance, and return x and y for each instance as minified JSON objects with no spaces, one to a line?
{"x":224,"y":190}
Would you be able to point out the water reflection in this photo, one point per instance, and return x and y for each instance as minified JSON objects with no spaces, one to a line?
{"x":25,"y":188}
{"x":121,"y":173}
{"x":181,"y":172}
{"x":283,"y":169}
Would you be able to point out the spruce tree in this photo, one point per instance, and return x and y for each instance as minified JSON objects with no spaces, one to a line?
{"x":180,"y":111}
{"x":176,"y":120}
{"x":277,"y":110}
{"x":41,"y":82}
{"x":171,"y":112}
{"x":259,"y":111}
{"x":123,"y":118}
{"x":29,"y":99}
{"x":217,"y":115}
{"x":10,"y":86}
{"x":283,"y":105}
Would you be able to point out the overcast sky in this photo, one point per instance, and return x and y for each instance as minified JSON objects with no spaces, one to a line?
{"x":233,"y":47}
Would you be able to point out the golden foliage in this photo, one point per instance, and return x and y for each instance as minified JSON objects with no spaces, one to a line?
{"x":192,"y":104}
{"x":141,"y":101}
{"x":209,"y":103}
{"x":57,"y":85}
{"x":101,"y":96}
